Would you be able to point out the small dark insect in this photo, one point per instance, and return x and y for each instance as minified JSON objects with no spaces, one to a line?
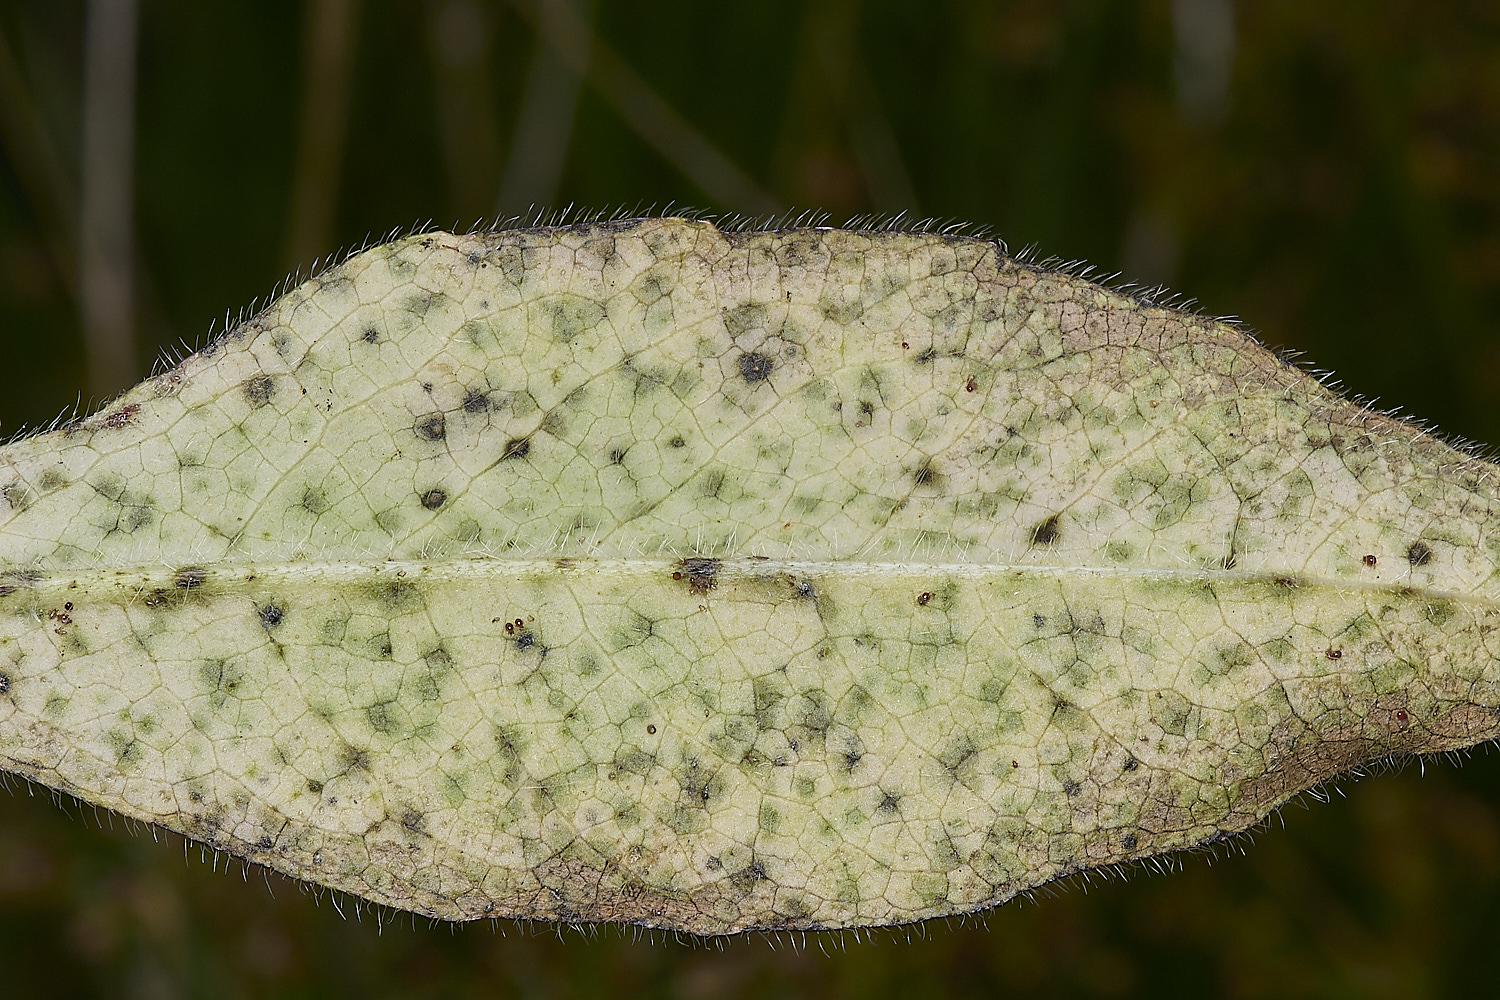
{"x":971,"y":385}
{"x":520,"y":624}
{"x":1334,"y":654}
{"x":67,"y":605}
{"x":271,"y":615}
{"x":1369,"y":561}
{"x":1401,"y":715}
{"x":510,"y":628}
{"x":677,"y":576}
{"x":123,"y":416}
{"x":651,"y":730}
{"x":924,"y":597}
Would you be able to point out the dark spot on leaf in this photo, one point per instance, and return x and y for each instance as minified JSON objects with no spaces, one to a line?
{"x":1128,"y":842}
{"x":1038,"y":621}
{"x":700,"y":574}
{"x":651,"y":730}
{"x":190,"y":577}
{"x":525,"y":640}
{"x":370,"y":336}
{"x":617,"y":456}
{"x":925,"y":475}
{"x":924,"y":598}
{"x":271,"y":615}
{"x":1369,"y":561}
{"x":4,"y":684}
{"x":314,"y":500}
{"x":433,"y":499}
{"x":516,"y":448}
{"x":1047,"y":532}
{"x":1131,"y":763}
{"x":476,"y":401}
{"x":971,"y":385}
{"x":265,"y":843}
{"x":259,"y":389}
{"x":316,"y":787}
{"x":1071,"y":788}
{"x":889,"y":802}
{"x":431,"y":427}
{"x":1420,"y":554}
{"x":676,"y":441}
{"x":755,"y":367}
{"x":1334,"y":654}
{"x":412,"y":820}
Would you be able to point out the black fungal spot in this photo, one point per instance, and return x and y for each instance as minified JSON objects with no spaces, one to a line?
{"x":516,"y":448}
{"x":755,"y":367}
{"x":431,"y":427}
{"x":271,"y":615}
{"x":476,"y":401}
{"x":1048,"y":531}
{"x":412,"y":820}
{"x":259,"y":389}
{"x":925,"y":475}
{"x":1131,"y":763}
{"x":700,"y":573}
{"x":433,"y":499}
{"x":370,"y":336}
{"x":1071,"y":788}
{"x":1420,"y":554}
{"x":617,"y":456}
{"x":315,"y":501}
{"x":676,"y":441}
{"x":525,"y":640}
{"x":889,"y":802}
{"x":316,"y":787}
{"x":651,"y":730}
{"x":190,"y":577}
{"x":1039,"y":621}
{"x":1128,"y":842}
{"x":4,"y":684}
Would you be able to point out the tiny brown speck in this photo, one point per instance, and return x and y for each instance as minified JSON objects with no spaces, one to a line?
{"x":1015,"y":763}
{"x":1369,"y":561}
{"x":923,"y":598}
{"x":651,"y":730}
{"x":677,"y":576}
{"x":1334,"y":654}
{"x":972,"y":384}
{"x":510,"y":628}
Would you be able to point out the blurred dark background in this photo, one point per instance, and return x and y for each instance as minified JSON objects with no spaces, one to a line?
{"x":1330,"y":172}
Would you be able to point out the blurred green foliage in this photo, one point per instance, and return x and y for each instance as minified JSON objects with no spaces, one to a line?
{"x":1330,"y":172}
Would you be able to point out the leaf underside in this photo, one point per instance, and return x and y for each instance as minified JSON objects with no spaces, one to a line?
{"x":719,"y":581}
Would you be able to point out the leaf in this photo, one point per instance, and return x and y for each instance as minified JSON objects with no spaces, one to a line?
{"x":715,"y":581}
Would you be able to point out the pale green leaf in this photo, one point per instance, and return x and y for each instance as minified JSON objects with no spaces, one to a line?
{"x":729,"y":580}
